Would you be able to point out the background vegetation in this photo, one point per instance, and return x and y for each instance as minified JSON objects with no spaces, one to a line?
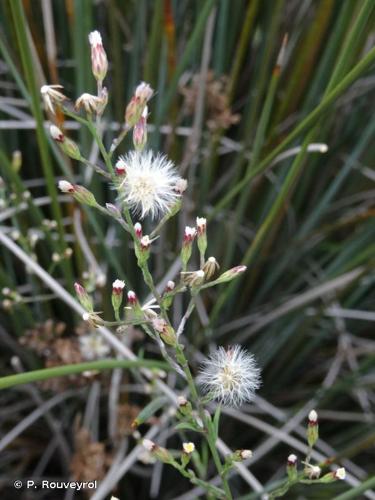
{"x":279,"y":161}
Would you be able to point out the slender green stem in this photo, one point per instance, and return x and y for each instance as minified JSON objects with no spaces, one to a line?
{"x":65,"y":370}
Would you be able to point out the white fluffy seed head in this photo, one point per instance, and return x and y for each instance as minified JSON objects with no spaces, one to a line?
{"x":230,"y":376}
{"x":149,"y":185}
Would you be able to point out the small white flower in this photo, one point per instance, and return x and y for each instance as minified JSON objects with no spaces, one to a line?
{"x":230,"y":375}
{"x":148,"y":187}
{"x":340,"y":473}
{"x":93,"y":346}
{"x":188,"y":448}
{"x":246,"y":454}
{"x":292,"y":459}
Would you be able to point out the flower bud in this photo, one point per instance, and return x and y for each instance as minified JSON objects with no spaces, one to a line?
{"x":66,"y":187}
{"x":132,"y":298}
{"x":140,"y":131}
{"x":210,"y":267}
{"x":83,"y":195}
{"x":184,"y":406}
{"x":291,"y":467}
{"x":231,"y":274}
{"x":202,"y":235}
{"x":157,"y":451}
{"x":138,"y":230}
{"x":120,"y":167}
{"x":187,"y":245}
{"x":312,"y":428}
{"x":241,"y":455}
{"x":117,"y":293}
{"x":99,"y":62}
{"x":67,"y":146}
{"x":170,"y":286}
{"x":16,"y":160}
{"x":83,"y":297}
{"x":165,"y":331}
{"x":136,"y":106}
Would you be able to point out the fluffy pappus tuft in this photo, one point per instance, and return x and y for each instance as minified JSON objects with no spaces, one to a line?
{"x":231,"y":376}
{"x":149,"y":187}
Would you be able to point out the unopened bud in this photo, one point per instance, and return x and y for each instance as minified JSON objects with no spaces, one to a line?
{"x":16,"y":160}
{"x":83,"y":297}
{"x":187,"y":245}
{"x":202,"y":235}
{"x":157,"y":451}
{"x":136,"y":106}
{"x":181,"y":186}
{"x":99,"y":62}
{"x":231,"y":274}
{"x":132,"y":298}
{"x":291,"y":467}
{"x":165,"y":331}
{"x":184,"y":406}
{"x":138,"y":230}
{"x":120,"y":167}
{"x":170,"y":286}
{"x":312,"y":428}
{"x":117,"y":292}
{"x":66,"y":187}
{"x":83,"y":195}
{"x":67,"y":146}
{"x":241,"y":455}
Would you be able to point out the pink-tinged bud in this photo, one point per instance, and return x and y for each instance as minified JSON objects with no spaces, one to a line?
{"x":170,"y":286}
{"x":137,"y":104}
{"x":165,"y":331}
{"x":292,"y":459}
{"x":56,"y":134}
{"x":231,"y":274}
{"x":66,"y":187}
{"x":201,"y":225}
{"x":145,"y":242}
{"x":99,"y":62}
{"x":67,"y":146}
{"x":138,"y":230}
{"x":83,"y":297}
{"x":120,"y":167}
{"x":117,"y":287}
{"x":140,"y":131}
{"x":132,"y":298}
{"x":202,"y":236}
{"x":189,"y":234}
{"x":117,"y":291}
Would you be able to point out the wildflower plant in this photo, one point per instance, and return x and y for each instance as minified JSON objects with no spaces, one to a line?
{"x":123,"y":298}
{"x":148,"y":187}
